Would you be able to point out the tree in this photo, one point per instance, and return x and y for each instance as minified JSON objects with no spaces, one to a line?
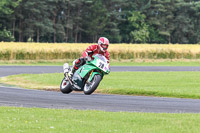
{"x":6,"y":8}
{"x":197,"y":24}
{"x":186,"y":22}
{"x":95,"y":20}
{"x":160,"y":14}
{"x":115,"y":11}
{"x":37,"y":19}
{"x":32,"y":20}
{"x":138,"y":21}
{"x":140,"y":31}
{"x":7,"y":5}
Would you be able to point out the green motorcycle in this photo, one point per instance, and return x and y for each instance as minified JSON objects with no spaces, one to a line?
{"x":87,"y":77}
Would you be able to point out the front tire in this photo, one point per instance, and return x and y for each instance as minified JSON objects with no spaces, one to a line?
{"x":65,"y":86}
{"x":90,"y":87}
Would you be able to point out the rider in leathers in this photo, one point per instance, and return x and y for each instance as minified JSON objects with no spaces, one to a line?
{"x":100,"y":48}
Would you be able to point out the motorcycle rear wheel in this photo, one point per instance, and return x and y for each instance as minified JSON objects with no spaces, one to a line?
{"x":90,"y":87}
{"x":65,"y":86}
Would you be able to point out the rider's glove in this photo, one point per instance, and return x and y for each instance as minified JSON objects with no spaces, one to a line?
{"x":88,"y":58}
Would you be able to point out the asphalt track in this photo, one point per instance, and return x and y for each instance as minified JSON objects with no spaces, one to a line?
{"x":13,"y":96}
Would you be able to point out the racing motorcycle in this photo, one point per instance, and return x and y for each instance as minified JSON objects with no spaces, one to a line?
{"x":87,"y":77}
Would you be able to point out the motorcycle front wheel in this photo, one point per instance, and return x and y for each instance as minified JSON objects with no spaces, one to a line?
{"x":65,"y":86}
{"x":90,"y":87}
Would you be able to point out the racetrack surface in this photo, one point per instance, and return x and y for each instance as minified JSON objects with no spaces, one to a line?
{"x":50,"y":99}
{"x":13,"y":96}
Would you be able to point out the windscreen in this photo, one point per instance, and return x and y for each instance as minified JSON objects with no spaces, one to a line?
{"x":101,"y":57}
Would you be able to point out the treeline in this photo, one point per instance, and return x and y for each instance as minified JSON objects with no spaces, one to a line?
{"x":122,"y":21}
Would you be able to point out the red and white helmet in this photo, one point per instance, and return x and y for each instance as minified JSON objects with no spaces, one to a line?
{"x":103,"y":44}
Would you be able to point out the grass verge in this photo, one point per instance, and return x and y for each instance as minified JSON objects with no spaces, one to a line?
{"x":136,"y":62}
{"x":34,"y":120}
{"x":162,"y":84}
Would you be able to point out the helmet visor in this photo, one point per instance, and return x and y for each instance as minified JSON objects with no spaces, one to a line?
{"x":104,"y":46}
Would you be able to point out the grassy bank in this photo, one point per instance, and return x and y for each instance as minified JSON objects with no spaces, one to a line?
{"x":49,"y":51}
{"x":163,"y":84}
{"x":34,"y":120}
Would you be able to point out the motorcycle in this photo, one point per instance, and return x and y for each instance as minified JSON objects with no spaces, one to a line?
{"x":87,"y":77}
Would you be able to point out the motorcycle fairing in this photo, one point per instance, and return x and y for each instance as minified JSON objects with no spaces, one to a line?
{"x":85,"y":69}
{"x":77,"y":80}
{"x":80,"y":74}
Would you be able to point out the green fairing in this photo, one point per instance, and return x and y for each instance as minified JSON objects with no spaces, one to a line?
{"x":85,"y":69}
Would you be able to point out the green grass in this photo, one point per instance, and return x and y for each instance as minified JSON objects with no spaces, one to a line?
{"x":35,"y":120}
{"x":112,"y":62}
{"x":162,"y":84}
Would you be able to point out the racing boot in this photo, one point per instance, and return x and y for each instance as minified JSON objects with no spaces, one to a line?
{"x":77,"y":63}
{"x":66,"y":68}
{"x":71,"y":73}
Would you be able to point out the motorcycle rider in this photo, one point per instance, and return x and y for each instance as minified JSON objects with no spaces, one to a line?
{"x":100,"y":48}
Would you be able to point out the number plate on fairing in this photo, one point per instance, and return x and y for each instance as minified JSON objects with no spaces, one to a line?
{"x":102,"y":65}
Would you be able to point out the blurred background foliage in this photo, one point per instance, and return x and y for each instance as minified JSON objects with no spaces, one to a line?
{"x":80,"y":21}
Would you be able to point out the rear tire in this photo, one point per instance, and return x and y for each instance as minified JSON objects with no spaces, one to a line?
{"x":65,"y":86}
{"x":90,"y":87}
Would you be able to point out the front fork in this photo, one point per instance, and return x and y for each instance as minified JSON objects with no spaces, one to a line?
{"x":92,"y":73}
{"x":90,"y":77}
{"x":66,"y":76}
